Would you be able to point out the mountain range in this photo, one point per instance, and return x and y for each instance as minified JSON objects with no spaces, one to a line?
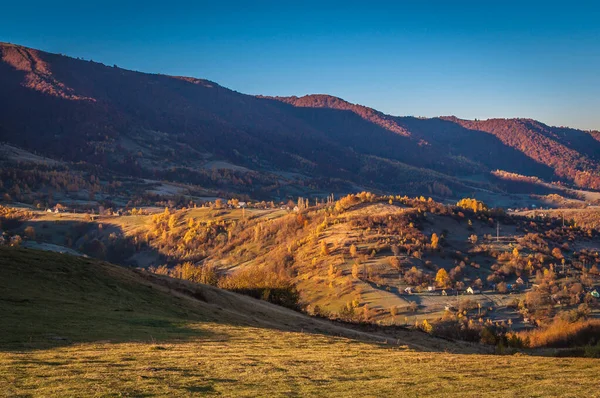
{"x":189,"y":130}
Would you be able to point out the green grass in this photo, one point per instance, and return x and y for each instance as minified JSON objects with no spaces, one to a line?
{"x":77,"y":327}
{"x":50,"y":297}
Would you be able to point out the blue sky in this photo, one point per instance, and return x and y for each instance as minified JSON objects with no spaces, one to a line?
{"x":424,"y":58}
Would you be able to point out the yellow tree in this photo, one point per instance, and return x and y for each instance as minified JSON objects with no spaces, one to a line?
{"x":434,"y":241}
{"x":355,"y":270}
{"x":324,"y":248}
{"x":353,"y":250}
{"x":172,"y":221}
{"x":442,"y":278}
{"x":331,"y":270}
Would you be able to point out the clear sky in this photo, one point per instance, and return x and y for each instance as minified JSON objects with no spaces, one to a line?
{"x":472,"y":59}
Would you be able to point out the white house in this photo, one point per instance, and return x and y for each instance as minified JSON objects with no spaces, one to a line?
{"x":520,"y":281}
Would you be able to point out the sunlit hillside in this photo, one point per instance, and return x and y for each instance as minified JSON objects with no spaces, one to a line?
{"x":456,"y":271}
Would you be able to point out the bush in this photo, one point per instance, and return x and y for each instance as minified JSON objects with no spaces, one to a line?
{"x":269,"y":283}
{"x":562,"y":333}
{"x":592,"y":351}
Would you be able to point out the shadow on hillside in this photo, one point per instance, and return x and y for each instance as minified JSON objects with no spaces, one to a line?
{"x":100,"y":238}
{"x":51,"y":299}
{"x":477,"y":145}
{"x":448,"y":147}
{"x":394,"y":290}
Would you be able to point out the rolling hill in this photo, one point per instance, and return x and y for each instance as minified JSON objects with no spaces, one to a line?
{"x":194,"y":131}
{"x":74,"y":327}
{"x":387,"y":260}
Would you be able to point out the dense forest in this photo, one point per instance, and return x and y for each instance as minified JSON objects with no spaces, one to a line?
{"x":193,"y":130}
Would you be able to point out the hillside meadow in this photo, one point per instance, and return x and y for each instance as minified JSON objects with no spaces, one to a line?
{"x":78,"y":327}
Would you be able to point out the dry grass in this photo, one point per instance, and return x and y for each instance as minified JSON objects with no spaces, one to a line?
{"x":245,"y":361}
{"x":76,"y":327}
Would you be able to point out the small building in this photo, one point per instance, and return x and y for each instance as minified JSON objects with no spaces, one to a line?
{"x":408,"y":290}
{"x":520,"y":281}
{"x":470,"y":290}
{"x":430,"y":288}
{"x":444,"y":293}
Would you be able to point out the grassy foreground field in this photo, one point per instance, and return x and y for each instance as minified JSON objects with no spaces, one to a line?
{"x":77,"y":327}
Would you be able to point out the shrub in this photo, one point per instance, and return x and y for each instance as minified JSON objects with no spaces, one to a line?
{"x":562,"y":333}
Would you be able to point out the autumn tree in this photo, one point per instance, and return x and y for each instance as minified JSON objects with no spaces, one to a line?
{"x":353,"y":250}
{"x":355,"y":270}
{"x":366,"y":312}
{"x":502,"y":287}
{"x":442,"y":278}
{"x":30,"y":232}
{"x":172,"y":221}
{"x":434,"y":241}
{"x":394,"y":262}
{"x":331,"y":271}
{"x":556,"y":253}
{"x":324,"y":248}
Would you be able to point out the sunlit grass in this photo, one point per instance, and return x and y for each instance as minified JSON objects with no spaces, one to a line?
{"x":243,"y":361}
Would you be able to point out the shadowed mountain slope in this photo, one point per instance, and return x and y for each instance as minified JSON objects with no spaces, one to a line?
{"x":170,"y":128}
